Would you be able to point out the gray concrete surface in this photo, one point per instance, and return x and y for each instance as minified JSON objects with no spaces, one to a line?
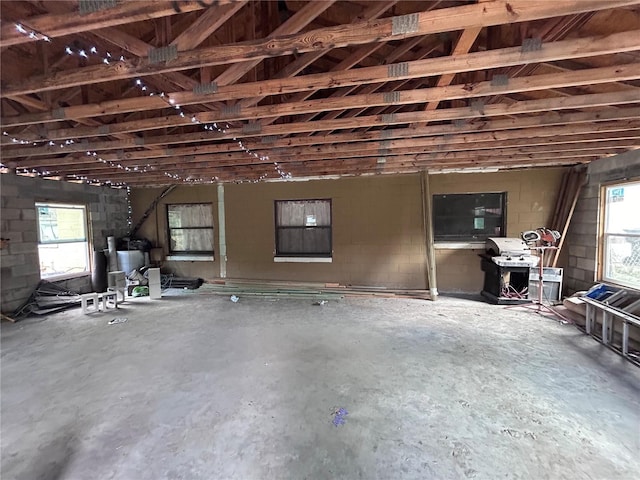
{"x":198,"y":387}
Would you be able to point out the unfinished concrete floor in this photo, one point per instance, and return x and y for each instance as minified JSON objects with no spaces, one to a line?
{"x":198,"y":387}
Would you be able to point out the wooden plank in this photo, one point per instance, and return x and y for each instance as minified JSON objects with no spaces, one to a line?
{"x":559,"y":126}
{"x":427,"y":221}
{"x":82,"y":163}
{"x":464,"y":44}
{"x":293,"y":25}
{"x":207,"y":23}
{"x":428,"y":22}
{"x":581,"y":178}
{"x":439,"y":145}
{"x":297,"y":65}
{"x":530,"y":106}
{"x":585,"y":47}
{"x":60,"y":24}
{"x":528,"y":155}
{"x":481,"y":89}
{"x":334,"y":168}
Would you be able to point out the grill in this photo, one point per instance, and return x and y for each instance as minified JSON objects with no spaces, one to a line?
{"x":506,"y":266}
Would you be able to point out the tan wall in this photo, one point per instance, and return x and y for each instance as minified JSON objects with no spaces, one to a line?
{"x":377,"y":230}
{"x":377,"y":227}
{"x":531,"y":196}
{"x":155,"y":227}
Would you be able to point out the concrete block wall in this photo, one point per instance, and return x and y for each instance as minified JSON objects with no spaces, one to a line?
{"x":107,"y":211}
{"x":582,"y":240}
{"x":531,"y":197}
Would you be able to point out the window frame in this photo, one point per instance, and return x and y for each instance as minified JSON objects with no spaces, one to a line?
{"x":178,"y":254}
{"x":603,"y":235}
{"x":86,"y":242}
{"x":303,"y":257}
{"x":468,"y":241}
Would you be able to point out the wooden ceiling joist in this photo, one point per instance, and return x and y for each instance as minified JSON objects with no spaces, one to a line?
{"x":325,"y":89}
{"x":466,"y":113}
{"x":522,"y":84}
{"x":428,"y":22}
{"x":577,"y":48}
{"x":58,"y":25}
{"x":579,"y":126}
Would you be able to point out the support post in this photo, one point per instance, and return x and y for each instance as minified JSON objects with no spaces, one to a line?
{"x":427,"y":222}
{"x":222,"y":240}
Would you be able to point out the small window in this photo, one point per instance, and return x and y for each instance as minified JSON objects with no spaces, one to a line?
{"x":190,"y":228}
{"x":63,"y":248}
{"x":303,"y":228}
{"x":621,"y":235}
{"x":468,"y":217}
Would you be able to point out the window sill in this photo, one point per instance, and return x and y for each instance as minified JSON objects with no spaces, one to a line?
{"x":190,"y":258}
{"x":303,"y":259}
{"x":459,"y":245}
{"x":65,"y":276}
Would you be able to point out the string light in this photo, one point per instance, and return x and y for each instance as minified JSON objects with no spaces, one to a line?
{"x":33,"y":34}
{"x":129,"y":209}
{"x":106,"y":56}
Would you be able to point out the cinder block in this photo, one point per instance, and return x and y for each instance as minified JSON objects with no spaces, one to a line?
{"x":28,"y":214}
{"x":15,"y":237}
{"x":11,"y":284}
{"x":12,"y":260}
{"x":588,"y":264}
{"x":154,"y":275}
{"x":578,"y":251}
{"x":25,"y":201}
{"x":24,"y":247}
{"x":22,"y":225}
{"x":10,"y":214}
{"x":25,"y":269}
{"x":31,"y":236}
{"x":8,"y":190}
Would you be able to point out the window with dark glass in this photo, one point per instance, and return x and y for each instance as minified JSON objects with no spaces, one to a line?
{"x":190,"y":228}
{"x":469,"y":217}
{"x":303,"y":228}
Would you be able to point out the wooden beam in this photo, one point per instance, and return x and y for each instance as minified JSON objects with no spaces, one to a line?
{"x":464,"y":44}
{"x":332,"y":169}
{"x":60,"y":24}
{"x":207,"y":23}
{"x":338,"y":167}
{"x":580,"y":145}
{"x":559,"y":128}
{"x":423,"y":23}
{"x":518,"y":108}
{"x":297,"y":65}
{"x":294,"y":24}
{"x":584,"y":47}
{"x":521,"y":84}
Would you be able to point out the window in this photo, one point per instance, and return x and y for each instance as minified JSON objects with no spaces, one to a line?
{"x":621,"y":234}
{"x":303,"y":228}
{"x":468,"y":217}
{"x":190,"y":228}
{"x":62,"y":239}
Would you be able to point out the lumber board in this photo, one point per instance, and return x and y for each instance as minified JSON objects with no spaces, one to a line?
{"x":592,"y":76}
{"x":575,"y":48}
{"x":466,"y":113}
{"x":60,"y":24}
{"x":428,"y":22}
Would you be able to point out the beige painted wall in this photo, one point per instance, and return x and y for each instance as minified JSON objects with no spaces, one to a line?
{"x":531,"y":196}
{"x":155,"y":227}
{"x":377,"y":230}
{"x":377,"y":227}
